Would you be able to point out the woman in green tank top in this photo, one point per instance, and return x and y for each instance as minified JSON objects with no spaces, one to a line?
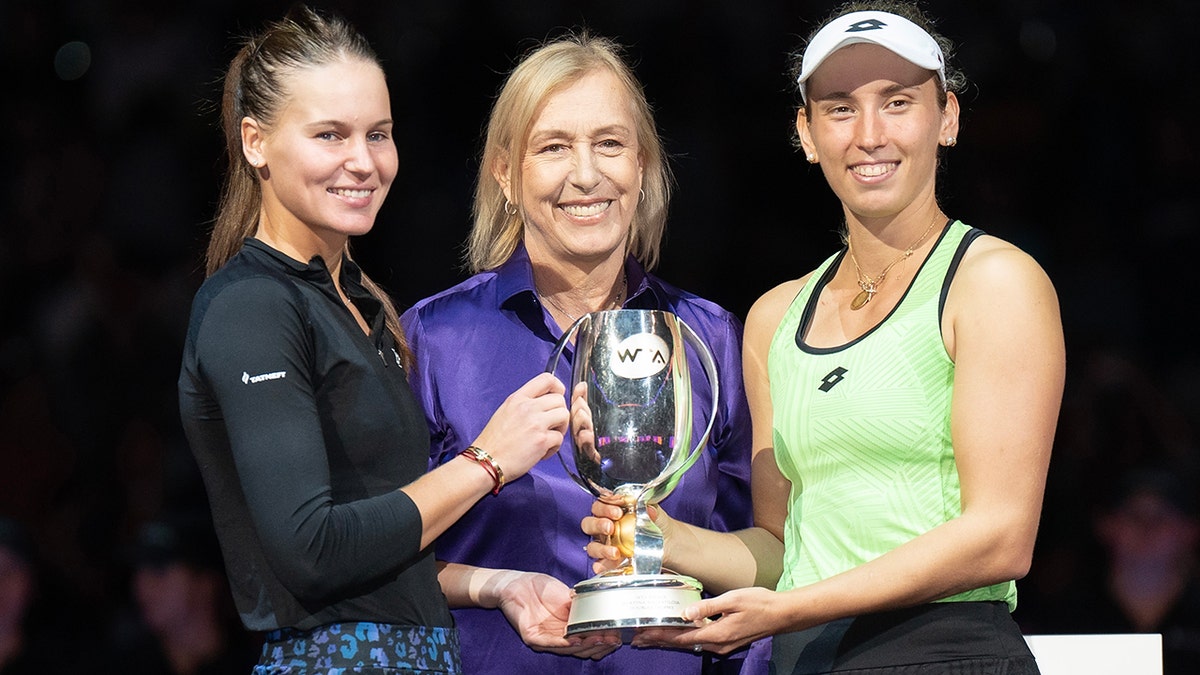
{"x":904,"y":398}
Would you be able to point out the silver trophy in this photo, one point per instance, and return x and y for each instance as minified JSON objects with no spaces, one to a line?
{"x":631,"y":430}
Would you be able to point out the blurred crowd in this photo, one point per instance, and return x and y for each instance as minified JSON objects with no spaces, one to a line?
{"x":1075,"y":145}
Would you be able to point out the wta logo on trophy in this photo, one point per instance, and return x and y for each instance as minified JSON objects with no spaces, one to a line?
{"x":639,"y":356}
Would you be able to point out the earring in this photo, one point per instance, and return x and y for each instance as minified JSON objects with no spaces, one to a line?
{"x":643,"y":196}
{"x":951,"y":141}
{"x":811,"y":157}
{"x":509,"y":208}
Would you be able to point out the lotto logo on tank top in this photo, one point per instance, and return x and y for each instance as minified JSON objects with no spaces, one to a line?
{"x":639,"y":356}
{"x":829,"y":381}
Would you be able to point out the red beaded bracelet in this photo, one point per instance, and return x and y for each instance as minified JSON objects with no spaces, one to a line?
{"x":488,"y":463}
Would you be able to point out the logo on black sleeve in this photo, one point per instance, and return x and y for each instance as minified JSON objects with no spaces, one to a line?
{"x":247,"y":378}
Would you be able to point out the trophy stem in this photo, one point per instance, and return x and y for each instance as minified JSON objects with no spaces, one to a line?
{"x":647,"y":543}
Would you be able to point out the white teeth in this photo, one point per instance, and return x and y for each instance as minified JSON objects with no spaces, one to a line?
{"x":874,"y":169}
{"x":357,"y":194}
{"x":582,"y":210}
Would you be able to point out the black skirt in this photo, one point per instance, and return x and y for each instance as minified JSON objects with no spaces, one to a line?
{"x":944,"y":638}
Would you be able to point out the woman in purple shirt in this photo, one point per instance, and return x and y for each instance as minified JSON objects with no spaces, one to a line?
{"x":570,"y":208}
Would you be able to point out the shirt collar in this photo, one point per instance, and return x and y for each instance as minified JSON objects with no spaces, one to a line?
{"x":316,"y":273}
{"x":315,"y":270}
{"x":514,"y":281}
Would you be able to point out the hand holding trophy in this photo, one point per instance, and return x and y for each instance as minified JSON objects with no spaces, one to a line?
{"x":631,"y":429}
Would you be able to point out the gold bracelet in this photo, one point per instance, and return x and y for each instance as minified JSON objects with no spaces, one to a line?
{"x":488,"y":463}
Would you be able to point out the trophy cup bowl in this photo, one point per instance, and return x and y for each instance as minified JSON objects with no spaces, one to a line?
{"x":631,"y":429}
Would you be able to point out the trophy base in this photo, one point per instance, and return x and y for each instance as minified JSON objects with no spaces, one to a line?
{"x":628,"y":601}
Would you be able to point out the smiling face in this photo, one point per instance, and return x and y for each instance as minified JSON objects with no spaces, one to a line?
{"x":874,"y":122}
{"x":328,"y":160}
{"x":580,"y":173}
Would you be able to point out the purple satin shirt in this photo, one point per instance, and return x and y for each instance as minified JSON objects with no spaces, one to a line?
{"x":478,"y":342}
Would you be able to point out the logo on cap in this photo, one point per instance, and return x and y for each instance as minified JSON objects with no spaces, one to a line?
{"x":869,"y":24}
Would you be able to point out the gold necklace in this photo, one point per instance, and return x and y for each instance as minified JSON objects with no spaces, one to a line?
{"x":871,"y":286}
{"x":616,"y":302}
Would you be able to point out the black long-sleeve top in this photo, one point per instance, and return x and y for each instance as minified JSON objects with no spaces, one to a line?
{"x":304,"y":428}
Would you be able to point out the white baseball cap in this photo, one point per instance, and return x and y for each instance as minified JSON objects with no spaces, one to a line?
{"x":895,"y":33}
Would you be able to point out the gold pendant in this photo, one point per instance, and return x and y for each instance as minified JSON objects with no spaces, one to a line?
{"x":861,"y":299}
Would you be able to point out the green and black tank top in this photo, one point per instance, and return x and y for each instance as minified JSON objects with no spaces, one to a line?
{"x":862,"y":430}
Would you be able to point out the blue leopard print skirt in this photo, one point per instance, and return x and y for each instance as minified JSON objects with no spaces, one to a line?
{"x":360,"y":647}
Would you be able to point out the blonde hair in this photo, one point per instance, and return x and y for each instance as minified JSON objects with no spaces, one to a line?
{"x":256,"y":86}
{"x":546,"y":70}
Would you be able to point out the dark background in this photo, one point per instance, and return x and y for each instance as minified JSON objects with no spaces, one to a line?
{"x":1078,"y":143}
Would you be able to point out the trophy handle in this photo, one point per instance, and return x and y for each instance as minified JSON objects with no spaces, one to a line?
{"x":661,"y":488}
{"x":551,"y":364}
{"x":710,"y":369}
